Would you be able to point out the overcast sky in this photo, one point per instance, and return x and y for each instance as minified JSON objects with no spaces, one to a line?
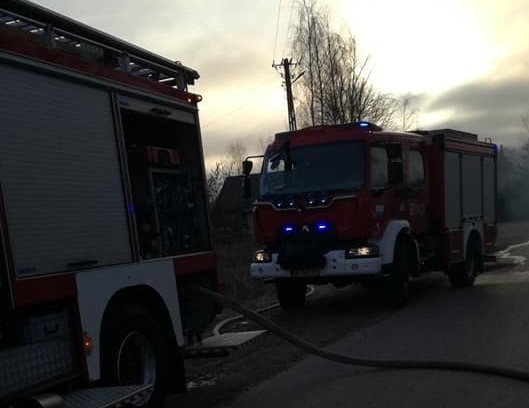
{"x":466,"y":61}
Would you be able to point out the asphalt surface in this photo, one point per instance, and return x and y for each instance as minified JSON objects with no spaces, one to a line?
{"x":488,"y":324}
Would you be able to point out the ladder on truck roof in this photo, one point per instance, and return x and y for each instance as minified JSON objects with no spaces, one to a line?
{"x":58,"y":31}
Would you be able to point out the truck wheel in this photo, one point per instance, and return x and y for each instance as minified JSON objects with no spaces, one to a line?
{"x":395,"y":286}
{"x":135,"y":351}
{"x":291,"y":295}
{"x":464,"y":275}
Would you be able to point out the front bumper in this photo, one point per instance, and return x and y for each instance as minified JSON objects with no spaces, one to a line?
{"x":335,"y":266}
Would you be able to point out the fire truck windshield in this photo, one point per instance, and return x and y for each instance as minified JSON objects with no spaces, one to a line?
{"x":322,"y":167}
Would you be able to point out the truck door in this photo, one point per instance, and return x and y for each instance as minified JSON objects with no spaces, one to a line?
{"x":414,"y":192}
{"x":383,"y":196}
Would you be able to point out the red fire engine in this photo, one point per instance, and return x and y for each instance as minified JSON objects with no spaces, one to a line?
{"x":354,"y":203}
{"x":103,"y":216}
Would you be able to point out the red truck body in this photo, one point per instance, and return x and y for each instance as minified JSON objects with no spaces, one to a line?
{"x":104,"y":225}
{"x":335,"y":201}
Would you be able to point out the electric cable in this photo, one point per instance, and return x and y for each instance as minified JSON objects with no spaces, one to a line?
{"x":277,"y":29}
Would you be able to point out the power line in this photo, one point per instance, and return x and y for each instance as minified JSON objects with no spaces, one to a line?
{"x":244,"y":104}
{"x":277,"y":29}
{"x":291,"y":13}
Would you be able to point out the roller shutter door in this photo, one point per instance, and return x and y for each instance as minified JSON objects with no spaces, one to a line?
{"x":60,"y":174}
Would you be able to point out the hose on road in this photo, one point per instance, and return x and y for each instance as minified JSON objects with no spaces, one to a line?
{"x":366,"y":362}
{"x":218,"y":328}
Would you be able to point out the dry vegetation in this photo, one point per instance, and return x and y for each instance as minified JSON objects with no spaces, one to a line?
{"x":234,"y":254}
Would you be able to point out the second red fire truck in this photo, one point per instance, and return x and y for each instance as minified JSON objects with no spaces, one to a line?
{"x":354,"y":203}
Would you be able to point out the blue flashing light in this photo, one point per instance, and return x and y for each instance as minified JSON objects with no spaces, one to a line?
{"x":495,"y":148}
{"x":363,"y":124}
{"x":322,"y":226}
{"x":288,"y":229}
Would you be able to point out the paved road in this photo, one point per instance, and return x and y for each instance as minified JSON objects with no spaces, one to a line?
{"x":488,"y":323}
{"x":354,"y":319}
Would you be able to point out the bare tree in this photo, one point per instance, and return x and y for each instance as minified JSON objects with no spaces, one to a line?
{"x":214,"y":179}
{"x":335,"y":87}
{"x":408,"y":115}
{"x":230,"y":165}
{"x":263,"y":142}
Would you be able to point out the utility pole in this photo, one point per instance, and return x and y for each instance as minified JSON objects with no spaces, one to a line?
{"x":285,"y":64}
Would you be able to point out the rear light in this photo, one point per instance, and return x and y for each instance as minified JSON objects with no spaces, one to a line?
{"x":366,"y":251}
{"x":262,"y":256}
{"x":87,"y":344}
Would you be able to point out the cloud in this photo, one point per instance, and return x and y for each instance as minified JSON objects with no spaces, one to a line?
{"x":488,"y":107}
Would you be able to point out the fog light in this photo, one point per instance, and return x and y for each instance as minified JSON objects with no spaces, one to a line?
{"x":370,"y":251}
{"x":262,"y":256}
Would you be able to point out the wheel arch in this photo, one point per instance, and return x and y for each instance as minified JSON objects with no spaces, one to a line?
{"x":146,"y":297}
{"x":388,"y":240}
{"x":96,"y":288}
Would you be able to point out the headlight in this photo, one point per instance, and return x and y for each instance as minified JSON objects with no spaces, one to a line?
{"x":368,"y":251}
{"x":262,"y":256}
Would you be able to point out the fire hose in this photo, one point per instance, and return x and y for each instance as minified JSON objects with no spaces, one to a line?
{"x":358,"y":361}
{"x":217,"y":329}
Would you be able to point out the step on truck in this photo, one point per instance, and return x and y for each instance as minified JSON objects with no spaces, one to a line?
{"x":353,"y":203}
{"x":103,"y":218}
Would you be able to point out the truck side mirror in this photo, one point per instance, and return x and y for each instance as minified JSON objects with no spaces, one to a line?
{"x":395,"y":173}
{"x":247,"y":167}
{"x":246,"y":186}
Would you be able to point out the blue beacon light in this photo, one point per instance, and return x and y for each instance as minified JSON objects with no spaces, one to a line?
{"x":322,"y":226}
{"x":288,"y":229}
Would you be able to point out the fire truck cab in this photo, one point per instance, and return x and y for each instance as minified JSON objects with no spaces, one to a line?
{"x":356,"y":204}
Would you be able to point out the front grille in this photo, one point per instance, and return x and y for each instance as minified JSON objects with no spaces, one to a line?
{"x":304,"y":251}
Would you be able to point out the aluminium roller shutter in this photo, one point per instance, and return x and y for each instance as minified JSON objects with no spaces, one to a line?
{"x":60,"y":174}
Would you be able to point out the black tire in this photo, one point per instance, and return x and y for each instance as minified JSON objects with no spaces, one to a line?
{"x":135,"y":351}
{"x":395,"y":286}
{"x":291,"y":294}
{"x":464,"y":275}
{"x":371,"y":286}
